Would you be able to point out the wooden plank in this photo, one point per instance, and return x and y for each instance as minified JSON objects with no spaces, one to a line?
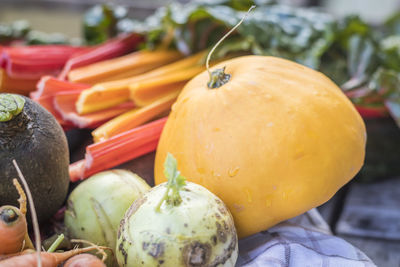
{"x":331,"y":210}
{"x":372,"y":210}
{"x":383,"y":253}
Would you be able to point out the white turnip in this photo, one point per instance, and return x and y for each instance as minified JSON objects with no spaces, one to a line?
{"x":177,"y":224}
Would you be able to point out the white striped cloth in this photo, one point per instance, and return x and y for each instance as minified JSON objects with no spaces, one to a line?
{"x":304,"y":241}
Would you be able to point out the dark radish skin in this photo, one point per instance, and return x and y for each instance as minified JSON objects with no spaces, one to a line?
{"x":32,"y":136}
{"x":84,"y":260}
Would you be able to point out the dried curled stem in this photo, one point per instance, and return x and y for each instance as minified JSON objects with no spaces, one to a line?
{"x":100,"y":249}
{"x":33,"y":213}
{"x":22,"y":196}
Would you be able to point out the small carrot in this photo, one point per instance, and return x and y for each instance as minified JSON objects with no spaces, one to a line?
{"x":48,"y":259}
{"x":13,"y":226}
{"x":84,"y":260}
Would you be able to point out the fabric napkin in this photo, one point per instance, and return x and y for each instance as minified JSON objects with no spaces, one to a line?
{"x":303,"y":241}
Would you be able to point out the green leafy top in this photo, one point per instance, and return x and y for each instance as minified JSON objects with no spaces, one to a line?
{"x":175,"y":183}
{"x":295,"y":33}
{"x":10,"y":106}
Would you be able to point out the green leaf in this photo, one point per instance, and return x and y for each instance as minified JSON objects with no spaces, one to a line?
{"x":361,"y":61}
{"x":175,"y":183}
{"x":390,"y":47}
{"x":175,"y":179}
{"x":170,"y":165}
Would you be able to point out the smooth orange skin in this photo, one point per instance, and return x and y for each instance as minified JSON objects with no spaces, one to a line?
{"x":275,"y":141}
{"x":84,"y":260}
{"x":12,"y":235}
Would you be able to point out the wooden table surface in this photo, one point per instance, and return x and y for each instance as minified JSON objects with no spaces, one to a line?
{"x":368,"y":216}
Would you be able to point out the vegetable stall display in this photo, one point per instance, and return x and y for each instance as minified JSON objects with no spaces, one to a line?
{"x":269,"y":136}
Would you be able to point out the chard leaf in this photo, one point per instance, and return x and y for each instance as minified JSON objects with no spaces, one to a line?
{"x":390,"y":47}
{"x":392,"y":24}
{"x":361,"y":61}
{"x":269,"y":30}
{"x":100,"y":22}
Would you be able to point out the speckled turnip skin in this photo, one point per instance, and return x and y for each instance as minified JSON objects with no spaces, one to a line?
{"x":198,"y":232}
{"x":38,"y":144}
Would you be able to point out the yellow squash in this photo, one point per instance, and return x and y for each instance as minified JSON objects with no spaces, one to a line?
{"x":274,"y":141}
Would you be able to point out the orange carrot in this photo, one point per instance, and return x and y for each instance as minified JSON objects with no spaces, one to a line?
{"x":134,"y":118}
{"x":13,"y":226}
{"x":131,"y":64}
{"x":48,"y":259}
{"x":84,"y":260}
{"x":105,"y":95}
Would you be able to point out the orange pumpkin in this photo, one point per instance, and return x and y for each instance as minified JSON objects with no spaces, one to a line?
{"x":274,"y":141}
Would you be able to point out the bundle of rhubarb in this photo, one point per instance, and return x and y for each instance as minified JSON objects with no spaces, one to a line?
{"x":149,"y":84}
{"x":113,"y":92}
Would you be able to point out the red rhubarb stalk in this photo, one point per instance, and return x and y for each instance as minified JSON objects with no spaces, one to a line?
{"x":118,"y":149}
{"x":110,"y":49}
{"x":32,"y":62}
{"x":372,"y":112}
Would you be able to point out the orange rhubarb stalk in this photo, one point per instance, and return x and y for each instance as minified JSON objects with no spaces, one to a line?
{"x":134,"y":118}
{"x":108,"y":94}
{"x":122,"y":67}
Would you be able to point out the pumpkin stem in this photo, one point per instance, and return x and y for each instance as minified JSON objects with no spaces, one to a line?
{"x":10,"y":106}
{"x":219,"y":77}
